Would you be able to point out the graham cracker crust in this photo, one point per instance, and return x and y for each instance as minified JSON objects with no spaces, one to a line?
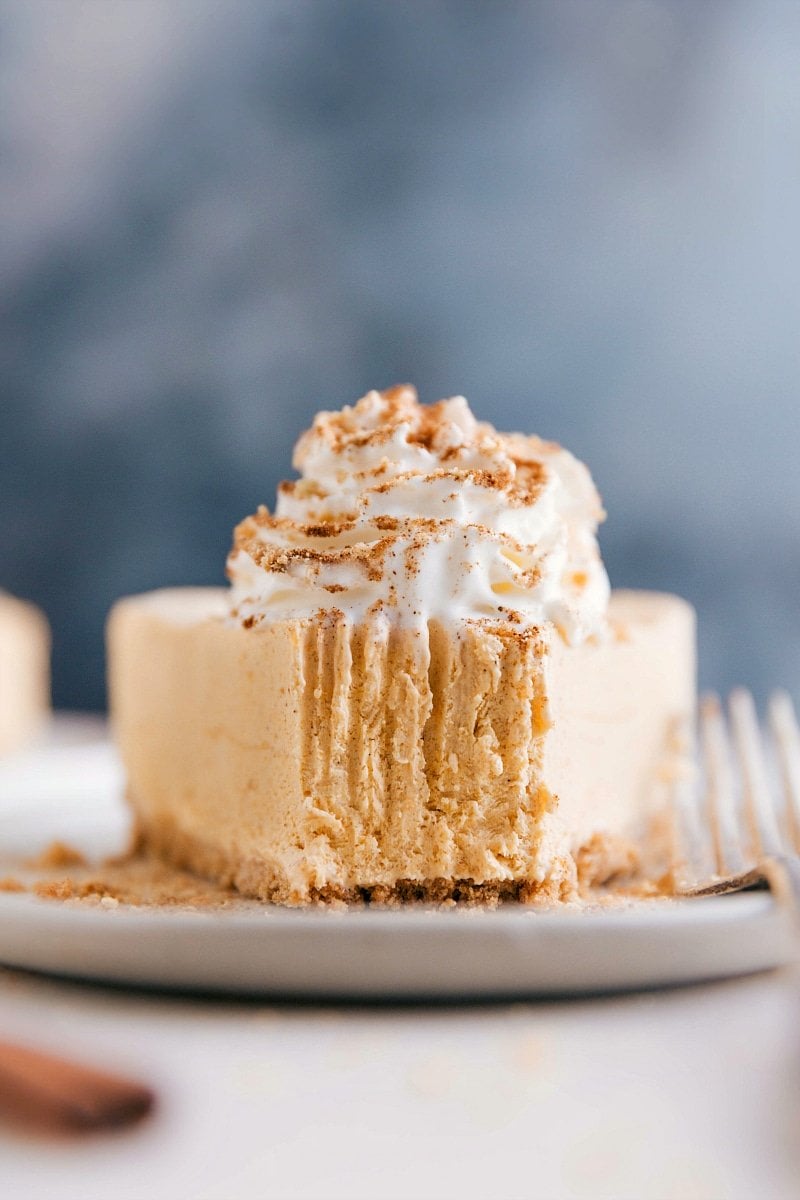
{"x":144,"y":880}
{"x":448,"y":892}
{"x":167,"y":868}
{"x":602,"y":862}
{"x":258,"y":880}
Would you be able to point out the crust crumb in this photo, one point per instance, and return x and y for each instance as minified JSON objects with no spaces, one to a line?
{"x":57,"y":854}
{"x":138,"y":880}
{"x":605,"y":861}
{"x":10,"y":884}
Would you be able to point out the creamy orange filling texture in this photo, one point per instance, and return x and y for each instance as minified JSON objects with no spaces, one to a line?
{"x":424,"y":750}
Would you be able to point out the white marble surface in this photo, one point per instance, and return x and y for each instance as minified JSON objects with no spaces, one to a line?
{"x":691,"y":1094}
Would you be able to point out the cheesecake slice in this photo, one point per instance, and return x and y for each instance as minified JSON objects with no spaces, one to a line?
{"x":417,"y":686}
{"x":316,"y":759}
{"x":24,"y":672}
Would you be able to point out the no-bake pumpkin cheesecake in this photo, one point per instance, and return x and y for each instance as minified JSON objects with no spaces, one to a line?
{"x":418,"y":686}
{"x":24,"y":672}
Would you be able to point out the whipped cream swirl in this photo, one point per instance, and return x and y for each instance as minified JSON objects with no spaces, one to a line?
{"x":421,"y":512}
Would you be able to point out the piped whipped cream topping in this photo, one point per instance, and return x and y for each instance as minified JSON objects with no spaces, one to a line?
{"x":422,"y":512}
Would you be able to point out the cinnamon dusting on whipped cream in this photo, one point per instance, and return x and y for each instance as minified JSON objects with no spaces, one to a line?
{"x":423,"y":512}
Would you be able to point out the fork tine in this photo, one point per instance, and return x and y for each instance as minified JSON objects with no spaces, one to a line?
{"x":758,"y":799}
{"x":720,"y":790}
{"x":786,"y":736}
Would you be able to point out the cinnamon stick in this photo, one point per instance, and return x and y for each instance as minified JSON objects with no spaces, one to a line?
{"x":50,"y":1093}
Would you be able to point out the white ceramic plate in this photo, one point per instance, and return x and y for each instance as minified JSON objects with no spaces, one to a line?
{"x":69,"y":787}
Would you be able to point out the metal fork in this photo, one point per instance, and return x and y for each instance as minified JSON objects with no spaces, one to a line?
{"x":741,"y":829}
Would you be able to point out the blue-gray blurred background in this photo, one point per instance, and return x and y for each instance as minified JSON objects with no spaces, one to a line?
{"x":222,"y":215}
